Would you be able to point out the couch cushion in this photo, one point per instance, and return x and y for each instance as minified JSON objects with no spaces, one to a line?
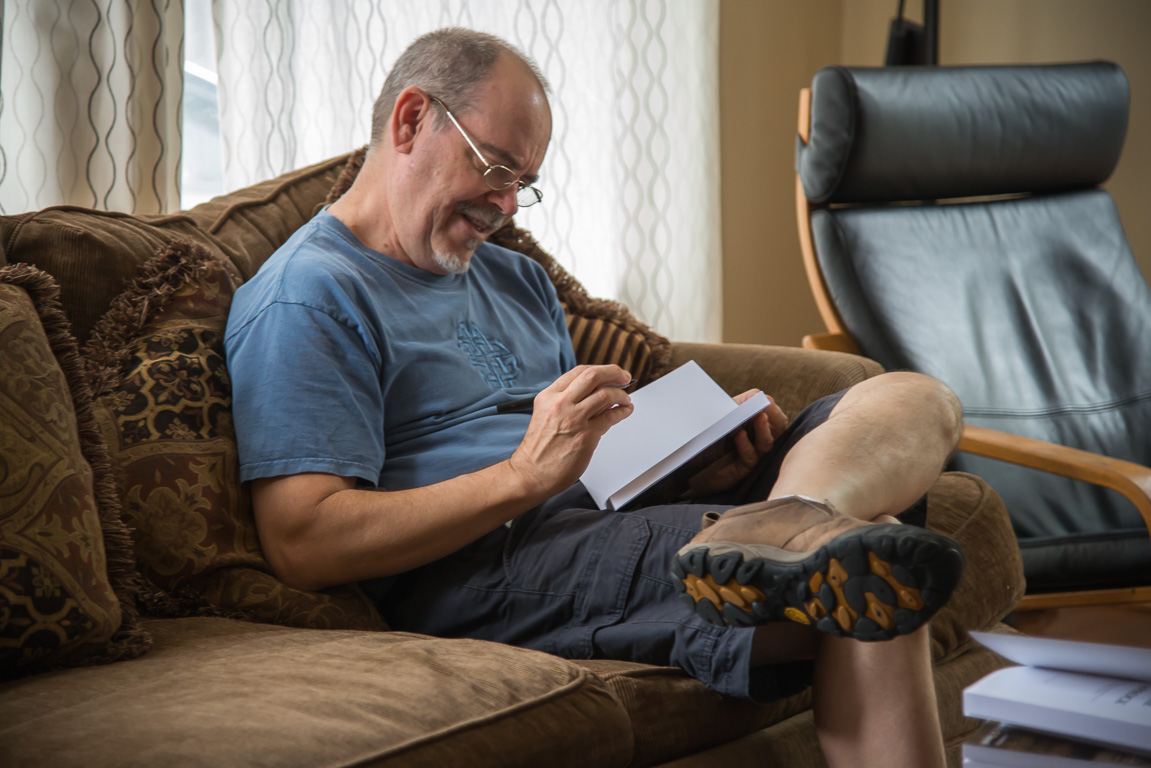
{"x":672,"y":714}
{"x":92,"y":254}
{"x":602,"y":331}
{"x":218,"y":692}
{"x":67,"y":578}
{"x":163,"y":401}
{"x":793,"y":742}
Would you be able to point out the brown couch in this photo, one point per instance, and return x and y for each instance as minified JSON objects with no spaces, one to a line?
{"x":161,"y":636}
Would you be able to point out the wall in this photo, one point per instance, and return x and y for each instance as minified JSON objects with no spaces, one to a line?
{"x":770,"y":49}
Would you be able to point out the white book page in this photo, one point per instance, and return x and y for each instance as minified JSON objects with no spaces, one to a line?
{"x":1073,"y":656}
{"x":742,"y":413}
{"x":1099,"y":710}
{"x":668,"y":412}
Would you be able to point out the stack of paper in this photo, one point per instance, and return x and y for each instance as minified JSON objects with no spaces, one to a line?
{"x":1090,"y":692}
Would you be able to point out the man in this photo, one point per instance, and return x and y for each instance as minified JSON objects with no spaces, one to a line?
{"x":368,"y":358}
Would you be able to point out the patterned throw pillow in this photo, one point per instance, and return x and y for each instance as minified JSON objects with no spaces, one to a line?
{"x":163,"y":402}
{"x":602,"y":331}
{"x":67,"y":578}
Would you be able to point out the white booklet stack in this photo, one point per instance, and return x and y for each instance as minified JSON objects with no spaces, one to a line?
{"x":1093,"y":693}
{"x":681,"y":423}
{"x":998,"y":745}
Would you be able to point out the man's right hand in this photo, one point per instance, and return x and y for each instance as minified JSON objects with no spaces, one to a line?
{"x":568,"y":420}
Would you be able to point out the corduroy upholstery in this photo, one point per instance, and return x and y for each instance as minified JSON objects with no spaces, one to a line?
{"x":218,"y":691}
{"x":257,"y":694}
{"x":92,"y":254}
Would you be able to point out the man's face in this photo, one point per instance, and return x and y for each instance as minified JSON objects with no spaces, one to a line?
{"x":447,"y":208}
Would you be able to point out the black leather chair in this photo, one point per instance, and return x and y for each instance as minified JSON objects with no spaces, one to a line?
{"x":952,"y":223}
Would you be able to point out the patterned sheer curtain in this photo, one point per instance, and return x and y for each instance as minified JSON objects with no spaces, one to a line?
{"x":631,"y":179}
{"x":90,"y":94}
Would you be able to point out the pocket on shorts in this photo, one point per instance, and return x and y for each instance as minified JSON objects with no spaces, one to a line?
{"x":586,"y":560}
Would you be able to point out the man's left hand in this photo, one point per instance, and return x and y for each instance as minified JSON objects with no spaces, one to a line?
{"x":728,"y":470}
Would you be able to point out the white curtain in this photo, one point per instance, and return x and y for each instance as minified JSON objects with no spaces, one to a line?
{"x":90,"y":96}
{"x":631,"y":180}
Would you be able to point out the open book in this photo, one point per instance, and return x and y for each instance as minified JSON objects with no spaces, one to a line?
{"x":682,"y":422}
{"x":1092,"y":692}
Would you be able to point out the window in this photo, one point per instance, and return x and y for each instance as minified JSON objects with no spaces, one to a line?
{"x":201,"y":174}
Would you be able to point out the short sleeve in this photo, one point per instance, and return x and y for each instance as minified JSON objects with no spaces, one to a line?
{"x":306,"y":395}
{"x":559,"y":317}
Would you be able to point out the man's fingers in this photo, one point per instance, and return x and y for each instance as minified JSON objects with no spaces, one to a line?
{"x":612,"y":416}
{"x":603,"y":399}
{"x":565,"y":380}
{"x":591,"y":390}
{"x":743,"y":397}
{"x":762,"y":437}
{"x":776,"y":418}
{"x":769,"y":425}
{"x":583,"y":380}
{"x":747,"y":453}
{"x":592,"y":378}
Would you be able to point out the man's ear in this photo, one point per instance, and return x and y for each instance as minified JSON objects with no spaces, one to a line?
{"x":413,"y":108}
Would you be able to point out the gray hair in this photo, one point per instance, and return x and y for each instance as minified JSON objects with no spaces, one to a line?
{"x":448,"y":64}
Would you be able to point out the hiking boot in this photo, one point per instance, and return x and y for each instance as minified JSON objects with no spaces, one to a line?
{"x":801,"y":559}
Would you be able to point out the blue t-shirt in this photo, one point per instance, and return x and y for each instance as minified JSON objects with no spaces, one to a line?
{"x":346,"y":361}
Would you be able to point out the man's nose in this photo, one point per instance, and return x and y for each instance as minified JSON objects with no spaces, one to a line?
{"x":505,"y":200}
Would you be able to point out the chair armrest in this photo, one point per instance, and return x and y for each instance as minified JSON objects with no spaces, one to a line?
{"x":1128,"y":478}
{"x":791,"y":376}
{"x":834,"y":342}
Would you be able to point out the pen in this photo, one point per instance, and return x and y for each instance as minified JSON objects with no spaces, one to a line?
{"x":525,"y":403}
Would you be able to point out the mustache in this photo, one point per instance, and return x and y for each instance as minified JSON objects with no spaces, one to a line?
{"x":489,"y":216}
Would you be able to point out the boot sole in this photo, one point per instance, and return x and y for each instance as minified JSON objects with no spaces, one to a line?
{"x":870,"y":583}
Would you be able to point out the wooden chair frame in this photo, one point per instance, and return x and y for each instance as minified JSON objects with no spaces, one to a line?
{"x":1130,"y":479}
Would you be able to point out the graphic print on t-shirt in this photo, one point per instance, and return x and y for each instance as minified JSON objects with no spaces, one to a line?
{"x":489,"y":356}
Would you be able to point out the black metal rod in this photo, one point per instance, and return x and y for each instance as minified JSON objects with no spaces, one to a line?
{"x":931,"y":32}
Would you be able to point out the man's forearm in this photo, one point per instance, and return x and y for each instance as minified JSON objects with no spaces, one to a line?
{"x":319,"y":530}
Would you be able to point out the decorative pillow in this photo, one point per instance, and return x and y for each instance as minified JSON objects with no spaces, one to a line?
{"x":602,"y":331}
{"x":67,"y":576}
{"x":163,"y":401}
{"x":92,"y":254}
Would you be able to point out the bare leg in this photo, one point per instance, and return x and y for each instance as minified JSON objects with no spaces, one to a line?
{"x":879,"y":451}
{"x":874,"y":703}
{"x":877,"y":454}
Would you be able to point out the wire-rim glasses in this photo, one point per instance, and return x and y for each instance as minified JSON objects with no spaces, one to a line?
{"x":497,"y":177}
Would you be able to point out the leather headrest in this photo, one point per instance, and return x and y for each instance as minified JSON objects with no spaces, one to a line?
{"x":928,"y":133}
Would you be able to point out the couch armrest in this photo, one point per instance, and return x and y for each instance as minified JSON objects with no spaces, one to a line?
{"x":793,"y":377}
{"x":967,"y":509}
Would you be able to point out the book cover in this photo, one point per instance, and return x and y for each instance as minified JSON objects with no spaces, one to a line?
{"x":679,"y":423}
{"x":1000,"y":744}
{"x":1092,"y":692}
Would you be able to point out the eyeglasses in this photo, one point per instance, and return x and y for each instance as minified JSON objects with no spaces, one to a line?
{"x":497,"y":177}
